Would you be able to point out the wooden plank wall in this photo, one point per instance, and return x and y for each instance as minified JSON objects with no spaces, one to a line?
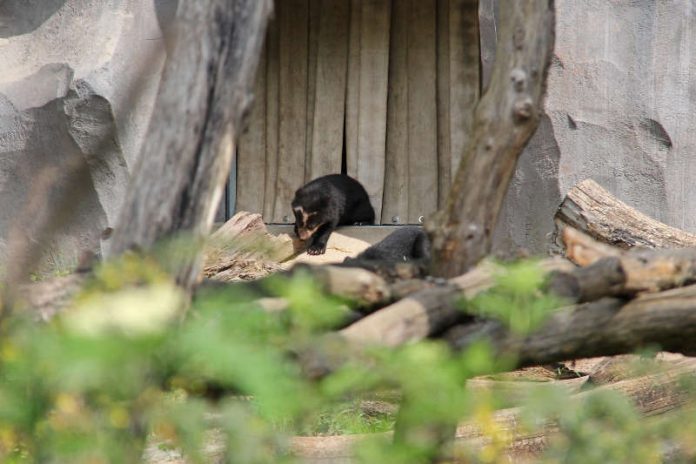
{"x":326,"y":147}
{"x":377,"y":79}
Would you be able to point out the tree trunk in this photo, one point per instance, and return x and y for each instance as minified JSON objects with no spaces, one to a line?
{"x":505,"y":119}
{"x":205,"y":92}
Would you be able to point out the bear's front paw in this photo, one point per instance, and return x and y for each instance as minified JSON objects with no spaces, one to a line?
{"x":316,"y":249}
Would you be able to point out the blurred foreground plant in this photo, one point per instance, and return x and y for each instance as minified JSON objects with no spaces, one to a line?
{"x":123,"y":367}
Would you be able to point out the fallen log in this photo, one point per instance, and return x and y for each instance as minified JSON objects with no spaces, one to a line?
{"x":243,"y":249}
{"x":611,"y":272}
{"x":605,"y":327}
{"x":433,"y":309}
{"x":591,"y":209}
{"x":430,"y":310}
{"x":422,"y":313}
{"x":364,"y":288}
{"x":651,"y":395}
{"x":582,"y":249}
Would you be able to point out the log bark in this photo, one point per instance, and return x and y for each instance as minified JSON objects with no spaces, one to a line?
{"x":652,"y":395}
{"x":606,"y":327}
{"x":430,"y":310}
{"x":505,"y":119}
{"x":362,"y":287}
{"x":582,"y":249}
{"x":205,"y":92}
{"x":243,"y":249}
{"x":594,"y":211}
{"x":610,"y":271}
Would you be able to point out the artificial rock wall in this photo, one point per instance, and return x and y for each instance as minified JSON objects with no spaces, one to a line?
{"x":620,"y":109}
{"x":77,"y":83}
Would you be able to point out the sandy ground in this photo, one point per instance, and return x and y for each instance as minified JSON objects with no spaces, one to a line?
{"x":339,"y":247}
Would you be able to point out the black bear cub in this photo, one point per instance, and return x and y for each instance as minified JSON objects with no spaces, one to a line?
{"x":404,"y":244}
{"x":326,"y":202}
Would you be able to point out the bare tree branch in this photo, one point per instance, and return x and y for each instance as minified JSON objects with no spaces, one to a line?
{"x":206,"y":90}
{"x":505,"y":119}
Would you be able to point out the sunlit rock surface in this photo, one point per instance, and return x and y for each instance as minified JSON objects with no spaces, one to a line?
{"x":620,"y":109}
{"x":77,"y":85}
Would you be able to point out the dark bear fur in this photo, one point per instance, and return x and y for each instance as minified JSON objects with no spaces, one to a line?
{"x":325,"y":203}
{"x":404,"y":244}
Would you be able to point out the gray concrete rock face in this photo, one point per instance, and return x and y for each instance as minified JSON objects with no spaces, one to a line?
{"x":78,"y":80}
{"x":620,"y":109}
{"x":77,"y":85}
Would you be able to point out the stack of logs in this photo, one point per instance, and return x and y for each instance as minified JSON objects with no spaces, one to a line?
{"x":627,"y":279}
{"x":626,"y":276}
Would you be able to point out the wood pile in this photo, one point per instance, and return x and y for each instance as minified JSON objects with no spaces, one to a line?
{"x":627,"y":280}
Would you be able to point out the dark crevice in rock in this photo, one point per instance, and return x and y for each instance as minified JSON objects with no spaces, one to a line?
{"x":657,"y":132}
{"x":571,"y":123}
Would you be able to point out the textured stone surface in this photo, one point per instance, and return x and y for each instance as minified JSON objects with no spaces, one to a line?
{"x":78,"y":83}
{"x":621,"y":109}
{"x":79,"y":78}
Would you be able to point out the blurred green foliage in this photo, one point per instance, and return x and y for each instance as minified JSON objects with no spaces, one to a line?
{"x":127,"y":365}
{"x":517,"y":298}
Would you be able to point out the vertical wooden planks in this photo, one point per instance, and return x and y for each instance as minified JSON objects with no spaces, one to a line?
{"x":293,"y":19}
{"x":464,"y":70}
{"x":315,"y":7}
{"x":411,"y":180}
{"x":422,"y":110}
{"x":353,"y":88}
{"x":366,"y":146}
{"x":251,"y":149}
{"x":396,"y":181}
{"x":272,"y":101}
{"x":389,"y":76}
{"x":444,"y":153}
{"x":330,"y":87}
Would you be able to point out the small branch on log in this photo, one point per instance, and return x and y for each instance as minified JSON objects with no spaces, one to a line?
{"x":505,"y":118}
{"x":420,"y":314}
{"x":591,"y":209}
{"x":605,"y":327}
